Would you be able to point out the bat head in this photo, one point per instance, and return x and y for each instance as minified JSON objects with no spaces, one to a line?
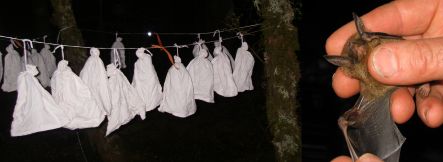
{"x":354,"y":58}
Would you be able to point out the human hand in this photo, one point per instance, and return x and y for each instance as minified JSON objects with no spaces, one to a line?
{"x":418,"y":59}
{"x":363,"y":158}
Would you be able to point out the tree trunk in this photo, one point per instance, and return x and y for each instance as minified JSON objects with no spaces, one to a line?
{"x":282,"y":74}
{"x":64,"y":18}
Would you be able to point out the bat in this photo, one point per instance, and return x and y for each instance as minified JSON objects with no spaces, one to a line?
{"x":368,"y":126}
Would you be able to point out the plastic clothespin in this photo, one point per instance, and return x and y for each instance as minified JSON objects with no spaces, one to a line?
{"x":62,"y":49}
{"x":219,"y":36}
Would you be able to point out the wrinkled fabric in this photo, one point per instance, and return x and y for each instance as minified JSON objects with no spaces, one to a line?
{"x":202,"y":75}
{"x":244,"y":64}
{"x":48,"y":59}
{"x":13,"y":67}
{"x":224,"y":83}
{"x":145,"y":80}
{"x":197,"y":48}
{"x":94,"y":76}
{"x":226,"y":52}
{"x":178,"y":95}
{"x":72,"y":94}
{"x":37,"y":60}
{"x":1,"y":66}
{"x":121,"y":52}
{"x":35,"y":109}
{"x":124,"y":98}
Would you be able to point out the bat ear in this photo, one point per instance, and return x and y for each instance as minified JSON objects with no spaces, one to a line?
{"x":339,"y":60}
{"x":360,"y":26}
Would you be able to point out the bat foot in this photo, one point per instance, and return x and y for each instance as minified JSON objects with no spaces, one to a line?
{"x":424,"y":90}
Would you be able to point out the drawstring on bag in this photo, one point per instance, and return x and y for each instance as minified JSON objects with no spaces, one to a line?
{"x":117,"y":60}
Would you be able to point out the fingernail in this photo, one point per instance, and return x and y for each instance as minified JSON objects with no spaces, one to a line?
{"x":384,"y":62}
{"x":369,"y":157}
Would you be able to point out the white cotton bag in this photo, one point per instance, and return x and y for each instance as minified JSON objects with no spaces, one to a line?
{"x":73,"y":95}
{"x":37,"y":60}
{"x":35,"y":109}
{"x":202,"y":75}
{"x":145,"y":80}
{"x":13,"y":67}
{"x":48,"y":59}
{"x":244,"y":64}
{"x":118,"y":44}
{"x":124,"y":98}
{"x":94,"y":76}
{"x":178,"y":95}
{"x":201,"y":46}
{"x":224,"y":83}
{"x":1,"y":66}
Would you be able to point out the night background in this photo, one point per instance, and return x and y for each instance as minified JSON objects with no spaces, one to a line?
{"x":231,"y":129}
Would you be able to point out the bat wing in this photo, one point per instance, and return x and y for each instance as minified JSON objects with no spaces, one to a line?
{"x":373,"y":130}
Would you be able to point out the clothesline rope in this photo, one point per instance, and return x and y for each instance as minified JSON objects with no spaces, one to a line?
{"x":86,"y":47}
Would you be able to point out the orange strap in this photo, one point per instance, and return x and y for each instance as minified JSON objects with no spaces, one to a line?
{"x":167,"y":52}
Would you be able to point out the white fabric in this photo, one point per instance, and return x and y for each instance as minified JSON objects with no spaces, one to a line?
{"x":244,"y":64}
{"x":48,"y":59}
{"x":35,"y":109}
{"x":72,"y":94}
{"x":145,"y":80}
{"x":178,"y":95}
{"x":121,"y":52}
{"x":37,"y":60}
{"x":224,"y":83}
{"x":226,"y":52}
{"x":94,"y":75}
{"x":124,"y":98}
{"x":197,"y":48}
{"x":1,"y":66}
{"x":202,"y":75}
{"x":13,"y":67}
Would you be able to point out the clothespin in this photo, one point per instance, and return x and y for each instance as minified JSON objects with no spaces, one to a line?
{"x":62,"y":49}
{"x":219,"y":37}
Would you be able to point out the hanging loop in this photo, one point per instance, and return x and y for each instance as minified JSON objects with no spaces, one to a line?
{"x":62,"y":50}
{"x":198,"y":36}
{"x":240,"y":35}
{"x":219,"y":36}
{"x":25,"y":52}
{"x":149,"y":52}
{"x":44,"y":38}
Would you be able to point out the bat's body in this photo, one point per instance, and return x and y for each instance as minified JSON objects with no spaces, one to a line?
{"x":368,"y":126}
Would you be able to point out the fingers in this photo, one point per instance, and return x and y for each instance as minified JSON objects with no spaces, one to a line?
{"x":407,"y":62}
{"x":342,"y":159}
{"x":403,"y":18}
{"x":430,"y":108}
{"x":369,"y":158}
{"x":364,"y":158}
{"x":402,"y":105}
{"x":343,"y":85}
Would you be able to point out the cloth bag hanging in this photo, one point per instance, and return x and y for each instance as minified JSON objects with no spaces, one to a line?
{"x":199,"y":46}
{"x":13,"y":67}
{"x":178,"y":95}
{"x":145,"y":80}
{"x":124,"y":98}
{"x":121,"y":52}
{"x":244,"y":64}
{"x":225,"y":51}
{"x":94,"y":76}
{"x":48,"y":59}
{"x":202,"y":75}
{"x":224,"y":83}
{"x":43,"y":75}
{"x":72,"y":94}
{"x":35,"y":109}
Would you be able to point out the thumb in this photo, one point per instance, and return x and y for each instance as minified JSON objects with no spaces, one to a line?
{"x":407,"y":62}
